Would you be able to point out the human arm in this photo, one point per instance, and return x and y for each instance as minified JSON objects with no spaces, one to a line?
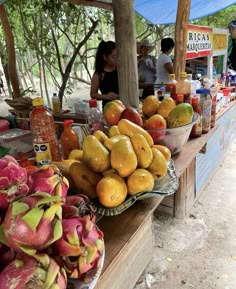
{"x":95,"y":88}
{"x":169,"y":67}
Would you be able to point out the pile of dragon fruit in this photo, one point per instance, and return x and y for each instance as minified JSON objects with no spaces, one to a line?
{"x":46,"y":236}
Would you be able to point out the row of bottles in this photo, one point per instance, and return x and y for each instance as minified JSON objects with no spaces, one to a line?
{"x":45,"y":141}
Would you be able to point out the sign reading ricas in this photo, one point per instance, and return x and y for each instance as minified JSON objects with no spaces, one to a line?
{"x":199,"y":41}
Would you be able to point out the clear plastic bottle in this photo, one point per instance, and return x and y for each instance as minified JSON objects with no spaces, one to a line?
{"x":56,"y":104}
{"x":192,"y":84}
{"x":95,"y":117}
{"x":197,"y":128}
{"x":206,"y":105}
{"x":45,"y":140}
{"x":69,"y":138}
{"x":171,"y":86}
{"x":183,"y":86}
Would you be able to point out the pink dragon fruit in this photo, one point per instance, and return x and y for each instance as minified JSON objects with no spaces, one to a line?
{"x":13,"y":180}
{"x":7,"y":255}
{"x":32,"y":223}
{"x":48,"y":179}
{"x":25,"y":272}
{"x":80,"y":247}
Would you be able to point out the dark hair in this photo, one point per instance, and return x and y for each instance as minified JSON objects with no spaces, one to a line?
{"x":167,"y":44}
{"x":104,"y":48}
{"x":232,"y":23}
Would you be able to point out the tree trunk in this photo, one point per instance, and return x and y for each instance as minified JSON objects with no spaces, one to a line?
{"x":181,"y":25}
{"x":10,"y":51}
{"x":125,"y":34}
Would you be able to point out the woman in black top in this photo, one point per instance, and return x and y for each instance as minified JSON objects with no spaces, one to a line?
{"x":105,"y":76}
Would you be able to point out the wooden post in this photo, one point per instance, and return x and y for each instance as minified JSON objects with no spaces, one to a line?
{"x":125,"y":34}
{"x":182,"y":19}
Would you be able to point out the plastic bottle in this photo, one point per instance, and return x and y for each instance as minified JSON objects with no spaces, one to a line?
{"x":69,"y":138}
{"x":179,"y":99}
{"x":197,"y":128}
{"x":192,"y":85}
{"x":56,"y":104}
{"x":171,"y":86}
{"x":206,"y":104}
{"x":183,"y":86}
{"x":45,"y":141}
{"x":95,"y":117}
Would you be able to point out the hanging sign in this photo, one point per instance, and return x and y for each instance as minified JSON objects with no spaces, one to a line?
{"x":199,"y":41}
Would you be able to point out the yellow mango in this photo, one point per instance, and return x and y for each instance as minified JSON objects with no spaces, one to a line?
{"x":158,"y":167}
{"x":101,"y":136}
{"x":76,"y":154}
{"x":96,"y":156}
{"x":109,"y":143}
{"x":164,"y":150}
{"x":129,"y":128}
{"x":139,"y":181}
{"x":113,"y":130}
{"x":123,"y":158}
{"x":84,"y":179}
{"x":142,"y":150}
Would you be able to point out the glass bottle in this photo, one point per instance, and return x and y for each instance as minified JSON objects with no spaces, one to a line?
{"x":69,"y":138}
{"x":171,"y":86}
{"x":95,"y":117}
{"x":197,"y":128}
{"x":206,"y":104}
{"x":45,"y":140}
{"x":56,"y":104}
{"x":183,"y":86}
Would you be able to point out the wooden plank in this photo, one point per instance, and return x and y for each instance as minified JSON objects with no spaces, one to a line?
{"x":190,"y":196}
{"x":131,"y":261}
{"x":180,"y":195}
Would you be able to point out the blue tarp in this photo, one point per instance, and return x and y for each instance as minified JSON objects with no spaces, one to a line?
{"x":165,"y":11}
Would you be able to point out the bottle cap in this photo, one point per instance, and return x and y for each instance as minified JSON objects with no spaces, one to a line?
{"x":172,"y":76}
{"x":92,"y":102}
{"x":183,"y":74}
{"x":180,"y":97}
{"x":203,"y":91}
{"x":195,"y":99}
{"x":37,"y":101}
{"x":67,"y":122}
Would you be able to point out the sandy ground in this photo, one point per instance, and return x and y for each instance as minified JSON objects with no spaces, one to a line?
{"x":200,"y":251}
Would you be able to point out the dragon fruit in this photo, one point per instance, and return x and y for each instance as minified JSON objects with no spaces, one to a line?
{"x":7,"y":255}
{"x":13,"y":180}
{"x":32,"y":222}
{"x":48,"y":179}
{"x":25,"y":272}
{"x":80,"y":247}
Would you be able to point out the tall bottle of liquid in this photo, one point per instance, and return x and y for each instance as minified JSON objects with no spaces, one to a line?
{"x":192,"y":85}
{"x":95,"y":117}
{"x":197,"y":128}
{"x":69,"y":138}
{"x":45,"y":141}
{"x":183,"y":86}
{"x":206,"y":105}
{"x":171,"y":86}
{"x":56,"y":104}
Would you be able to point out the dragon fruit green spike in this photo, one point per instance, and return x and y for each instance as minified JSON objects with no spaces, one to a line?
{"x":80,"y":247}
{"x":13,"y":180}
{"x":48,"y":179}
{"x":32,"y":223}
{"x":25,"y":272}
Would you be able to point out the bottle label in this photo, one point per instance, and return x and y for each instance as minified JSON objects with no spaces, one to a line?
{"x":43,"y":153}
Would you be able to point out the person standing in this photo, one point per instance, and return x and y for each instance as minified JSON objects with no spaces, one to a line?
{"x":104,"y":83}
{"x":164,"y":64}
{"x":232,"y":45}
{"x":146,"y":67}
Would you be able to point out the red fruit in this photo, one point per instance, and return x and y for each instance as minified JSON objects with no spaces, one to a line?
{"x":156,"y":126}
{"x":131,"y":114}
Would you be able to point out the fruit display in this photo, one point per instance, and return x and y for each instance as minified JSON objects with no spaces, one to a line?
{"x":47,"y":238}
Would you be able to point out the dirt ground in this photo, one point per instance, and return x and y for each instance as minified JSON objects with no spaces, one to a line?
{"x":200,"y":251}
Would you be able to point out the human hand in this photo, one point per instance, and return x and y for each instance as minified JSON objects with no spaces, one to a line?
{"x":111,"y":96}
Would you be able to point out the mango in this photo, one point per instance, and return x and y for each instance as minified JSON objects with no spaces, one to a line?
{"x":158,"y":167}
{"x":164,"y":150}
{"x":84,"y":179}
{"x":109,"y":143}
{"x":113,"y":130}
{"x":96,"y":156}
{"x":142,"y":150}
{"x":123,"y":158}
{"x":76,"y":154}
{"x":101,"y":136}
{"x":129,"y":128}
{"x":182,"y":114}
{"x":139,"y":181}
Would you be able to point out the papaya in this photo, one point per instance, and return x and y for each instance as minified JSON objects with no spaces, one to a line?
{"x":129,"y":128}
{"x":164,"y":150}
{"x":123,"y":158}
{"x":96,"y":156}
{"x":100,"y":135}
{"x":113,"y":130}
{"x":142,"y":150}
{"x":182,"y":114}
{"x":139,"y":181}
{"x":85,"y":179}
{"x":109,"y":143}
{"x":76,"y":154}
{"x":158,"y":167}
